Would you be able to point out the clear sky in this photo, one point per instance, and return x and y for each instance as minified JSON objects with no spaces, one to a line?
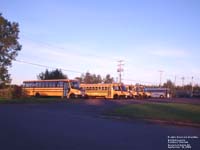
{"x":91,"y":35}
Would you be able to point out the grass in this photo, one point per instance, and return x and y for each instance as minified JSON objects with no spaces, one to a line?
{"x":30,"y":100}
{"x":160,"y":111}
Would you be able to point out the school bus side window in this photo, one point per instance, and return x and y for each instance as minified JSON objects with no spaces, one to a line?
{"x":36,"y":84}
{"x":52,"y":84}
{"x":25,"y":85}
{"x":39,"y":84}
{"x":46,"y":84}
{"x":116,"y":88}
{"x":29,"y":84}
{"x":32,"y":84}
{"x":42,"y":84}
{"x":60,"y":84}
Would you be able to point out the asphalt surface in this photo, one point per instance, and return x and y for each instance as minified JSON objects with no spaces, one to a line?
{"x":79,"y":125}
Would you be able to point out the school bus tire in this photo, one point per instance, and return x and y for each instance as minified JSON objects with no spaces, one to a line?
{"x":72,"y":96}
{"x":121,"y":97}
{"x":37,"y":94}
{"x":161,"y":96}
{"x":86,"y":97}
{"x":116,"y":96}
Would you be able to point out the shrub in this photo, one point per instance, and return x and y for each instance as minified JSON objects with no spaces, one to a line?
{"x":13,"y":91}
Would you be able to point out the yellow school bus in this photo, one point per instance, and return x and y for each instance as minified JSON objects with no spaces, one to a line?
{"x":107,"y":91}
{"x":60,"y":87}
{"x":137,"y":91}
{"x":132,"y":90}
{"x":141,"y":93}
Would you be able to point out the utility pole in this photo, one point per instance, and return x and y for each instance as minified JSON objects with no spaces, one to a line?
{"x":174,"y":88}
{"x":175,"y":81}
{"x":161,"y":72}
{"x":183,"y":78}
{"x":120,"y":69}
{"x":192,"y":86}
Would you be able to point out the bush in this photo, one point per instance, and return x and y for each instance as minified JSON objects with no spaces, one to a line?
{"x":13,"y":91}
{"x":5,"y":93}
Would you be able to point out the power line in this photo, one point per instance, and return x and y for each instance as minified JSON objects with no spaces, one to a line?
{"x":44,"y":66}
{"x":74,"y":71}
{"x":43,"y":43}
{"x":63,"y":69}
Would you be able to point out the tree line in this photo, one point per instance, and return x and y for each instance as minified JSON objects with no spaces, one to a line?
{"x":84,"y":78}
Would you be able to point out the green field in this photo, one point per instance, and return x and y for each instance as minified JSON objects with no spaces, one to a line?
{"x":171,"y":112}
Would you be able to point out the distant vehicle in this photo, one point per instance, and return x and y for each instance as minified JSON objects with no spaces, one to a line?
{"x":132,"y":91}
{"x":158,"y":92}
{"x":107,"y":91}
{"x":59,"y":87}
{"x":137,"y":91}
{"x":196,"y":94}
{"x":141,"y":92}
{"x":183,"y":93}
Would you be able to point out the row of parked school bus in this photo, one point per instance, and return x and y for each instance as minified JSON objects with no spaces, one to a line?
{"x":73,"y":89}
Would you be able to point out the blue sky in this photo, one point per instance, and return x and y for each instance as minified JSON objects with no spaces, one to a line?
{"x":91,"y":35}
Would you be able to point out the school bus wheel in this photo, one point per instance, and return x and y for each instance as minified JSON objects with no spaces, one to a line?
{"x":86,"y":96}
{"x":72,"y":96}
{"x":161,"y":96}
{"x":116,"y":96}
{"x":37,"y":94}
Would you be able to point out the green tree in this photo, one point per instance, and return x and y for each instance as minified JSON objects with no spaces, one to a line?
{"x":54,"y":74}
{"x":108,"y":79}
{"x":96,"y":78}
{"x":89,"y":78}
{"x":9,"y":46}
{"x":169,"y":84}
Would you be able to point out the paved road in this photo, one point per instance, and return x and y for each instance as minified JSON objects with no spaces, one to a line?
{"x":79,"y":126}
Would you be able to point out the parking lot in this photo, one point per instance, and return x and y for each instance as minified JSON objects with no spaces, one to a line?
{"x":79,"y":124}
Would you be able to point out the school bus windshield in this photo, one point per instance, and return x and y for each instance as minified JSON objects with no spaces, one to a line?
{"x":75,"y":85}
{"x":123,"y":88}
{"x":139,"y":89}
